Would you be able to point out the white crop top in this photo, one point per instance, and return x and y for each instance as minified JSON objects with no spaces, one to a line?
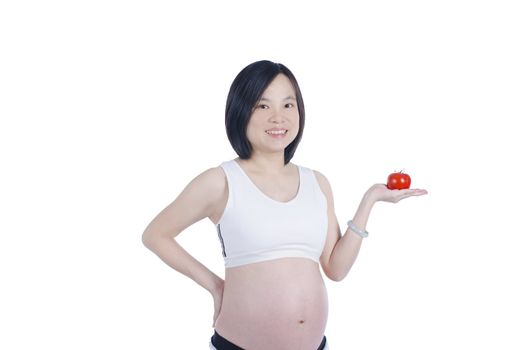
{"x":255,"y":227}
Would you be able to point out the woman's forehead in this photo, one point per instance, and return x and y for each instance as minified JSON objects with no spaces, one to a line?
{"x":280,"y":88}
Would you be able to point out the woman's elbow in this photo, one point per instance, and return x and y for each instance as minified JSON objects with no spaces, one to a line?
{"x":148,"y":238}
{"x":333,"y":275}
{"x":337,"y":278}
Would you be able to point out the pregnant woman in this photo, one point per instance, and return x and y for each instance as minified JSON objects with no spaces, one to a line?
{"x":275,"y":222}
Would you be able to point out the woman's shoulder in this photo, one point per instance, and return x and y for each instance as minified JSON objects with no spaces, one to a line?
{"x":212,"y":180}
{"x":321,"y":178}
{"x":214,"y":177}
{"x":323,"y":182}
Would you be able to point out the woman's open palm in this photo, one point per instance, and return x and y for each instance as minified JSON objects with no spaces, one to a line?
{"x":380,"y":192}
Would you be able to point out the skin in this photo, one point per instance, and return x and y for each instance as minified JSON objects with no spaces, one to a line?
{"x":277,"y":304}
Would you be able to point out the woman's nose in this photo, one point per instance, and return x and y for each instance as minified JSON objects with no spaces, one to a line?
{"x":277,"y":116}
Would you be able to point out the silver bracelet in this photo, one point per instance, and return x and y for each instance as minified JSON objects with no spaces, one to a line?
{"x":357,"y":230}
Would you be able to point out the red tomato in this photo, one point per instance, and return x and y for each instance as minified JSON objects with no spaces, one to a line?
{"x":399,"y":181}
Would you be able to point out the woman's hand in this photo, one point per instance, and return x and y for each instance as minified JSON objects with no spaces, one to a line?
{"x":218,"y":295}
{"x":380,"y":192}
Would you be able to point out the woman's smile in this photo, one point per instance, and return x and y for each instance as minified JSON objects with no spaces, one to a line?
{"x":277,"y":133}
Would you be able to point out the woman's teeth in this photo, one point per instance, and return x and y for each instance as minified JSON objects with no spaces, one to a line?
{"x":277,"y":132}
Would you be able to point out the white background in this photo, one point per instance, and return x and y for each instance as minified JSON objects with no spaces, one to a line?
{"x":109,"y":108}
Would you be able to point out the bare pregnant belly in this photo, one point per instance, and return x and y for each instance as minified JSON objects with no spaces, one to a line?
{"x":280,"y":304}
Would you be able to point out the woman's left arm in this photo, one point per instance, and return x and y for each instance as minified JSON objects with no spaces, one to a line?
{"x":346,"y":248}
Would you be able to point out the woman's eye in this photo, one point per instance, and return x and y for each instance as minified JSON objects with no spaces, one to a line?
{"x":289,"y":105}
{"x":262,"y":106}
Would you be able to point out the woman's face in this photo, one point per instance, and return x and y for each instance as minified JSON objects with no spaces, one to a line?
{"x":277,"y":109}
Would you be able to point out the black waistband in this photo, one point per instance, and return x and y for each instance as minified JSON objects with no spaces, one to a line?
{"x":222,"y":343}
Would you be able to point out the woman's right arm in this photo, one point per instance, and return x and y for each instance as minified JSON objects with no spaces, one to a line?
{"x":194,"y":203}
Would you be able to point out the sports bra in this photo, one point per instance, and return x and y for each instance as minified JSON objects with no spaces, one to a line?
{"x":255,"y":227}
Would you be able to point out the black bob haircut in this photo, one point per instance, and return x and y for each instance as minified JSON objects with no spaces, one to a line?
{"x":245,"y":91}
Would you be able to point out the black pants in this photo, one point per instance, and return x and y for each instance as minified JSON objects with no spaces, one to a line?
{"x":222,"y":343}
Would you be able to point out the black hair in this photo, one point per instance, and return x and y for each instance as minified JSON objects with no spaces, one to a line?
{"x":245,"y":91}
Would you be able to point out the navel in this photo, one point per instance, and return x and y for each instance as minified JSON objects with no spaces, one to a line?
{"x":301,"y":321}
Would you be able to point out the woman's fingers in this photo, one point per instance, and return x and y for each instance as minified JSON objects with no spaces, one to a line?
{"x":398,"y":195}
{"x":409,"y":193}
{"x":413,"y":192}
